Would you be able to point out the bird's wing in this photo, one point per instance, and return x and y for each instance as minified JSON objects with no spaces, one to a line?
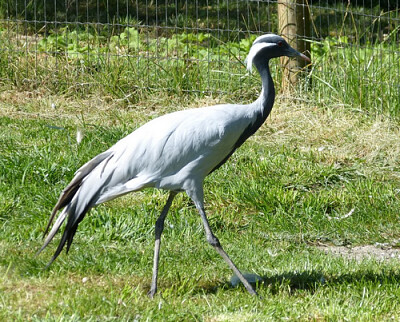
{"x":120,"y":164}
{"x":78,"y":198}
{"x":70,"y":190}
{"x":173,"y":146}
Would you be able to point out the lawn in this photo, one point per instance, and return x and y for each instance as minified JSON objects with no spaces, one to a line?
{"x":312,"y":181}
{"x":310,"y":204}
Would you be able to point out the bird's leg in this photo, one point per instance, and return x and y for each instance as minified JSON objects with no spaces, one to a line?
{"x":159,"y":227}
{"x":213,"y":241}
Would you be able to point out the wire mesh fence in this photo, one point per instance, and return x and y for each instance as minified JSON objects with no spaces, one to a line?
{"x":127,"y":48}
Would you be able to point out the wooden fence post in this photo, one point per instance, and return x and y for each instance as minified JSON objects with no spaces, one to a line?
{"x":294,"y":26}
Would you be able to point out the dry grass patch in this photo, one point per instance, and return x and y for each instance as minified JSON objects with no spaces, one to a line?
{"x":335,"y":133}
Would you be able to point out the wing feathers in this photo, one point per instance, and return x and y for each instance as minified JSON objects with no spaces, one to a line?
{"x":69,"y":192}
{"x":76,"y":201}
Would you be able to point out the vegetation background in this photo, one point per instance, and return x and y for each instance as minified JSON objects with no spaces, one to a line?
{"x":310,"y":203}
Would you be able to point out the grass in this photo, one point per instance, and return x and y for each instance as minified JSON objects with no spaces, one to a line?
{"x":353,"y":51}
{"x":323,"y":171}
{"x":286,"y":191}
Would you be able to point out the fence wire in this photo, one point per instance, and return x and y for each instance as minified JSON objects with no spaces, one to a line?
{"x":126,"y":48}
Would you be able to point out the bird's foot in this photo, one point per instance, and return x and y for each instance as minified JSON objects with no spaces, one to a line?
{"x":151,"y":293}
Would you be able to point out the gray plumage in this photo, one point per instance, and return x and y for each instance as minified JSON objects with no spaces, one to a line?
{"x":174,"y":152}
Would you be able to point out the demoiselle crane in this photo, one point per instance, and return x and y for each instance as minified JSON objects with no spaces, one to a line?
{"x":174,"y":152}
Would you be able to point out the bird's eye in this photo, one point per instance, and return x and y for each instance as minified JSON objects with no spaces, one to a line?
{"x":280,"y":43}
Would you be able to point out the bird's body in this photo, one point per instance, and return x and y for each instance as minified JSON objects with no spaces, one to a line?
{"x":173,"y":152}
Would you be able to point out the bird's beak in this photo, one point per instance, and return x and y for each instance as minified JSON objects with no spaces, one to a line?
{"x":295,"y":53}
{"x":304,"y":57}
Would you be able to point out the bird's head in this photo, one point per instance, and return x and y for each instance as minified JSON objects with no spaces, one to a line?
{"x":270,"y":46}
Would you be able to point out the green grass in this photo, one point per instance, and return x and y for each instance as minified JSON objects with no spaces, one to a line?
{"x":286,"y":191}
{"x":353,"y":52}
{"x":323,"y":172}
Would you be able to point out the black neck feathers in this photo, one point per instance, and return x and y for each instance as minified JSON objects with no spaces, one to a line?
{"x":262,"y":107}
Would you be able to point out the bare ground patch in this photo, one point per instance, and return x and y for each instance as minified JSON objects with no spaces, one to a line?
{"x":377,"y":252}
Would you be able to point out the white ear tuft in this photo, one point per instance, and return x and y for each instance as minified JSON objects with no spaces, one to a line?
{"x":254,"y":50}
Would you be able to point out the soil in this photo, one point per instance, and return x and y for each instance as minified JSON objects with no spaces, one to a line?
{"x":380,"y":252}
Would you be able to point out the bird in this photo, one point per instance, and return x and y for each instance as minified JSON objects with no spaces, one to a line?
{"x":174,"y":152}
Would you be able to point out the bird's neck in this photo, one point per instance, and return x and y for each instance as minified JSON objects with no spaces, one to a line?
{"x":259,"y":109}
{"x":266,"y":99}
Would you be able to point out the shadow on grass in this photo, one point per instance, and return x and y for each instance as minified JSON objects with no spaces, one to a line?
{"x":310,"y":281}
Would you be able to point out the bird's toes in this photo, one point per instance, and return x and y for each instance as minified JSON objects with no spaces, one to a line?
{"x":151,"y":293}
